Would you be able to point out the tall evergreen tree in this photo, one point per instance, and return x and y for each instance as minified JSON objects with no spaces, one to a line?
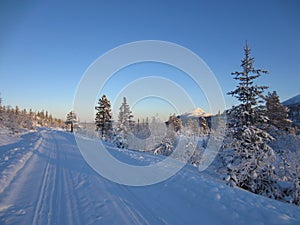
{"x":277,"y":113}
{"x":248,"y":93}
{"x":103,"y":118}
{"x":125,"y":118}
{"x":125,"y":125}
{"x":250,"y":166}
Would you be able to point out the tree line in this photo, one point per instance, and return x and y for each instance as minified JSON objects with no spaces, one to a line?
{"x":16,"y":119}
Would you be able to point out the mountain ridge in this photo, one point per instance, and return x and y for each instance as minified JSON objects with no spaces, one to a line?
{"x":197,"y":112}
{"x":292,"y":100}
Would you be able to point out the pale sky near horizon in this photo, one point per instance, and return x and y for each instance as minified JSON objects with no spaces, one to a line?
{"x":46,"y":46}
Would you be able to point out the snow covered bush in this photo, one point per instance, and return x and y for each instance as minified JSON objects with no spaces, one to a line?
{"x":167,"y":145}
{"x":119,"y":139}
{"x":251,"y":166}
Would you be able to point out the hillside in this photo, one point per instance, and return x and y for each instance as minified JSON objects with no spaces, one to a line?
{"x":294,"y":110}
{"x":292,"y":101}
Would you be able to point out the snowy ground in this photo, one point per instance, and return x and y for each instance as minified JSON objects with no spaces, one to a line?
{"x":45,"y":180}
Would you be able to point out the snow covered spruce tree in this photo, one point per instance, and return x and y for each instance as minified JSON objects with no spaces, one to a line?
{"x":204,"y":128}
{"x":250,"y":166}
{"x":280,"y":127}
{"x":103,"y":118}
{"x":72,"y":120}
{"x":125,"y":125}
{"x":277,"y":113}
{"x":286,"y":146}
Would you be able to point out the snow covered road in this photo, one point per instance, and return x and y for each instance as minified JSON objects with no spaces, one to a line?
{"x":54,"y":185}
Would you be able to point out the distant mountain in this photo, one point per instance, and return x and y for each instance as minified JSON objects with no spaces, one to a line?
{"x":195,"y":113}
{"x":292,"y":101}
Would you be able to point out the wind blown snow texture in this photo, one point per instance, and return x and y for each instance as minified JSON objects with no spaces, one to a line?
{"x":54,"y":185}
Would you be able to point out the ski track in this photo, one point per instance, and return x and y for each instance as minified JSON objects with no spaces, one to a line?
{"x":56,"y":191}
{"x":56,"y":186}
{"x":59,"y":195}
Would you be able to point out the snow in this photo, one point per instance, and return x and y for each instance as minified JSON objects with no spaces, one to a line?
{"x":14,"y":152}
{"x":6,"y":137}
{"x":291,"y":101}
{"x":54,"y":185}
{"x":197,"y":112}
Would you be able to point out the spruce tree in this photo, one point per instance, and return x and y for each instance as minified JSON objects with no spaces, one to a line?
{"x":125,"y":118}
{"x":125,"y":125}
{"x":204,"y":128}
{"x":251,"y":164}
{"x":72,"y":121}
{"x":174,"y":123}
{"x":277,"y":113}
{"x":103,"y":118}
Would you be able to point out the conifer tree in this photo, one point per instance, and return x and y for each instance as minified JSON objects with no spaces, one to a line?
{"x":277,"y":113}
{"x":72,"y":120}
{"x":250,"y":166}
{"x":103,"y":118}
{"x":203,"y":125}
{"x":125,"y":118}
{"x":125,"y":125}
{"x":174,"y":123}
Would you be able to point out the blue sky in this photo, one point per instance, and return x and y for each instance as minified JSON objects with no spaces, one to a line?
{"x":46,"y":46}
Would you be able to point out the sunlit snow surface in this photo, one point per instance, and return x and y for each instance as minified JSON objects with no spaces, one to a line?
{"x":45,"y":180}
